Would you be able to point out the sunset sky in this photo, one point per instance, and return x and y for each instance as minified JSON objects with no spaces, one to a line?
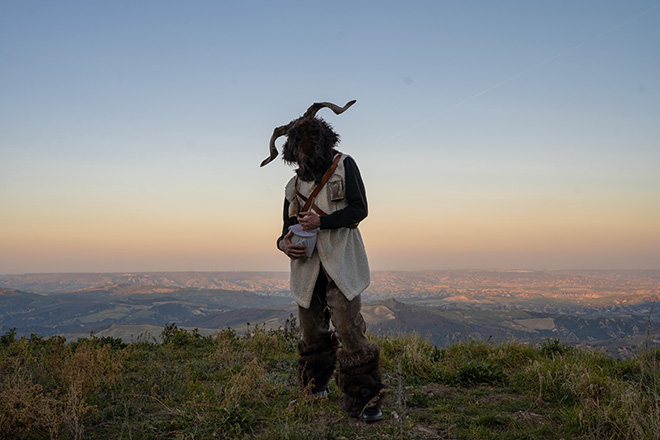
{"x":490,"y":134}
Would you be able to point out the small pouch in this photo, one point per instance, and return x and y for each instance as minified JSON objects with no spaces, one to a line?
{"x":336,"y":191}
{"x":294,"y":208}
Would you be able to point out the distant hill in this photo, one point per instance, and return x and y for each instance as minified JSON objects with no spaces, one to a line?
{"x":618,"y":335}
{"x":608,"y":309}
{"x":447,"y":326}
{"x":552,"y":291}
{"x":267,"y":283}
{"x":96,"y":309}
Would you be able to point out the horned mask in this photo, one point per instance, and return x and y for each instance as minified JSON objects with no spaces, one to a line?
{"x":303,"y":133}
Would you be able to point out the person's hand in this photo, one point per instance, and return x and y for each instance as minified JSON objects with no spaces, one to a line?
{"x":309,"y":220}
{"x":293,"y":251}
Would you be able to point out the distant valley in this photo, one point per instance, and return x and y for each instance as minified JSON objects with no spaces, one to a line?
{"x":614,"y":310}
{"x":550,"y":291}
{"x":77,"y":313}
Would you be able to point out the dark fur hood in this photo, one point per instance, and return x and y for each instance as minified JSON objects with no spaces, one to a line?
{"x":311,"y":146}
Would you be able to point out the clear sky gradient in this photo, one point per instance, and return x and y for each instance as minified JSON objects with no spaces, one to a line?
{"x":490,"y":134}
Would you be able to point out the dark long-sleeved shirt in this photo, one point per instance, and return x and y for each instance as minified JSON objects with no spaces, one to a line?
{"x":355,"y":212}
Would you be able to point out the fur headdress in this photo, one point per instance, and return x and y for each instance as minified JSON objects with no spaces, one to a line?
{"x":310,"y":142}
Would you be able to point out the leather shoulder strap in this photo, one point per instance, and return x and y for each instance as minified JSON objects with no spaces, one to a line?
{"x":324,"y":180}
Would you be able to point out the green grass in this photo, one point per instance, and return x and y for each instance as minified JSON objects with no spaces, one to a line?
{"x":230,"y":386}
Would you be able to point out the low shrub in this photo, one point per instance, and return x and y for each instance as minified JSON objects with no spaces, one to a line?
{"x":479,"y":373}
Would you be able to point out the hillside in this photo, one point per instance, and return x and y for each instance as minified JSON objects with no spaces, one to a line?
{"x":75,"y":314}
{"x":132,"y":311}
{"x":552,"y":291}
{"x":188,"y":386}
{"x":446,"y":326}
{"x":611,"y":310}
{"x":267,"y":283}
{"x":617,"y":335}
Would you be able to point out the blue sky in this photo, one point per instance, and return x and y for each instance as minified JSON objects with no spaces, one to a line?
{"x":507,"y":134}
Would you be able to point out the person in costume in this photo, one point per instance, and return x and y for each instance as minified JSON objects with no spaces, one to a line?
{"x":327,"y":197}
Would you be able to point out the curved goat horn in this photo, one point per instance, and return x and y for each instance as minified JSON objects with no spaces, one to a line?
{"x":311,"y":111}
{"x":279,"y":131}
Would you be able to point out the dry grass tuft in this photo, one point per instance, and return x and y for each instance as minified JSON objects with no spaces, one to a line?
{"x":26,"y":411}
{"x":596,"y":399}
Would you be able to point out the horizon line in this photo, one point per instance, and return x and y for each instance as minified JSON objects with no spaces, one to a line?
{"x":521,"y":270}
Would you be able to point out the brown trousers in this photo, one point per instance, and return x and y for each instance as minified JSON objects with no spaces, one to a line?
{"x":359,"y":376}
{"x":328,"y":303}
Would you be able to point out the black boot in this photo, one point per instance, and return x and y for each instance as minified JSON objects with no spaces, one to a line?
{"x":360,"y":380}
{"x":316,"y":363}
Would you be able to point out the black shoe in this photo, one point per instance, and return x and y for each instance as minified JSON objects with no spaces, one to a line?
{"x":371,"y":415}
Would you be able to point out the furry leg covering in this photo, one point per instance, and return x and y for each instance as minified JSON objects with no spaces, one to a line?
{"x":360,"y":379}
{"x":316,"y":362}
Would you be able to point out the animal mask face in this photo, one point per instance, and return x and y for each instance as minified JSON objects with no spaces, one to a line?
{"x":311,"y":145}
{"x":306,"y":134}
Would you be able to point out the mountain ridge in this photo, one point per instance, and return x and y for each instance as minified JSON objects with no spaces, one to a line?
{"x":580,"y":307}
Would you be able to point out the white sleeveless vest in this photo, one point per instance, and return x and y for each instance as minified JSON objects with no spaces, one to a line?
{"x":341,"y":251}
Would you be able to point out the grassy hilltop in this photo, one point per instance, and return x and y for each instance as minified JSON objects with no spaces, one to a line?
{"x":188,"y":386}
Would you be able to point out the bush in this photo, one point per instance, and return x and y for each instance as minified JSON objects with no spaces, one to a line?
{"x":8,"y":337}
{"x":552,"y":347}
{"x":172,"y":335}
{"x":478,"y":373}
{"x":114,"y":343}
